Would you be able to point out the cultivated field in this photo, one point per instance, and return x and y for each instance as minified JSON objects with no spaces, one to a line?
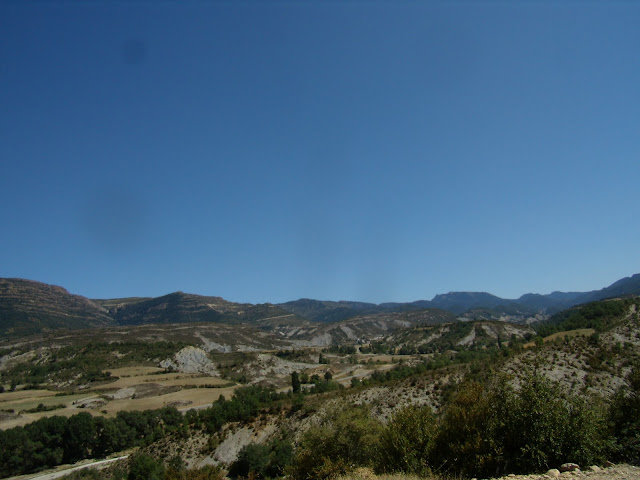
{"x":137,"y":388}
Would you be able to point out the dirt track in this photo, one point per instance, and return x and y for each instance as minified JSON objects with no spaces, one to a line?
{"x":61,"y":473}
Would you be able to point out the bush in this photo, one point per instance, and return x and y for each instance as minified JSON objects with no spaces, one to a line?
{"x":208,"y":472}
{"x":280,"y":456}
{"x":624,"y":415}
{"x":252,"y":459}
{"x":145,"y":467}
{"x":499,"y":430}
{"x":462,"y":444}
{"x":345,"y":440}
{"x":407,"y":441}
{"x":543,"y":427}
{"x":84,"y":474}
{"x":264,"y":461}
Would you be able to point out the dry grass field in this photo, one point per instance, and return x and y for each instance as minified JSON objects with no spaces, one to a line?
{"x":142,"y":387}
{"x":189,"y":398}
{"x":581,"y":332}
{"x":134,"y":388}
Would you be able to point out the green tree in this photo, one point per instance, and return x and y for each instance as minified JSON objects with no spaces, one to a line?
{"x":295,"y":382}
{"x":494,"y":430}
{"x":252,"y":459}
{"x":541,"y":425}
{"x":145,"y":467}
{"x":407,"y":441}
{"x":345,"y":439}
{"x":462,"y":444}
{"x":624,"y":415}
{"x":79,"y":437}
{"x":280,"y":456}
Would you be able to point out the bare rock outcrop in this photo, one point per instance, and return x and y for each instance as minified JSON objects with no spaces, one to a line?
{"x":190,"y":360}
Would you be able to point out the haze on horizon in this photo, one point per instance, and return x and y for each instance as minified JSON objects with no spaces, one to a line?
{"x":365,"y":151}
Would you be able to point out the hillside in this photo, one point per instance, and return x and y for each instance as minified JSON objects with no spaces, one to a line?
{"x":327,"y":311}
{"x":458,"y":302}
{"x":453,"y":336}
{"x":528,"y":308}
{"x":433,"y":366}
{"x":599,"y":316}
{"x":182,"y":307}
{"x":364,"y":328}
{"x":624,"y":287}
{"x":28,"y":307}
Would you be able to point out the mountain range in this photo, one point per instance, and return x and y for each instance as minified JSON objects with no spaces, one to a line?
{"x":461,"y":302}
{"x":28,"y":306}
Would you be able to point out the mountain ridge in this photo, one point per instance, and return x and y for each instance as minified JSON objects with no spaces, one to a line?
{"x":29,"y":306}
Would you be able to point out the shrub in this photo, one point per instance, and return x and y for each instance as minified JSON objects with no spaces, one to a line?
{"x":541,"y":426}
{"x":84,"y":474}
{"x":280,"y":456}
{"x":462,"y":444}
{"x":624,"y":415}
{"x":208,"y":472}
{"x":145,"y":467}
{"x":497,"y":430}
{"x":407,"y":441}
{"x":345,"y":440}
{"x":262,"y":461}
{"x":252,"y":459}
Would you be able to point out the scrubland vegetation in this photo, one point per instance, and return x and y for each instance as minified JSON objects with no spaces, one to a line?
{"x":485,"y":430}
{"x":89,"y":363}
{"x":498,"y":410}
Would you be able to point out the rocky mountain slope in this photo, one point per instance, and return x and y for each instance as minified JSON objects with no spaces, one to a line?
{"x":180,"y":307}
{"x":363,"y":328}
{"x":29,"y":307}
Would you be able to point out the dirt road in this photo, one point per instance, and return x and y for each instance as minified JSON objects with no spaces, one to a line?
{"x":100,"y":464}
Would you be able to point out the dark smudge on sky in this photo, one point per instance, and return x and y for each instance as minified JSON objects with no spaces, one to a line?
{"x":134,"y":52}
{"x":114,"y":219}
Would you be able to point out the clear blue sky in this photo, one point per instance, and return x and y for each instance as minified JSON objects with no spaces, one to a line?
{"x":374,"y":151}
